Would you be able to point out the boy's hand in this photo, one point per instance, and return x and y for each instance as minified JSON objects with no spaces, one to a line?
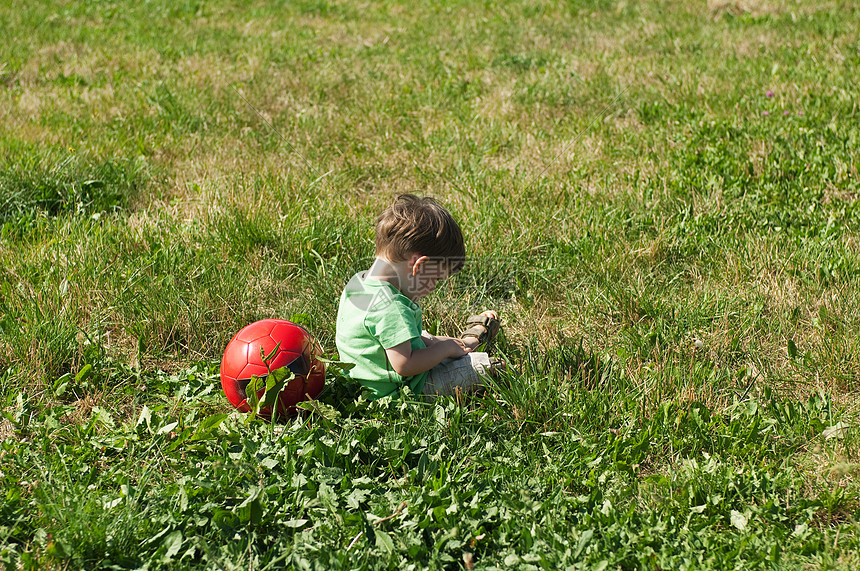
{"x":456,"y":348}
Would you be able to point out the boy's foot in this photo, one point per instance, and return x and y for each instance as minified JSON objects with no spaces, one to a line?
{"x":496,"y":366}
{"x":484,"y":327}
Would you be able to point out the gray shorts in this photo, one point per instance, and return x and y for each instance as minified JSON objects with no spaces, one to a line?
{"x":464,"y":374}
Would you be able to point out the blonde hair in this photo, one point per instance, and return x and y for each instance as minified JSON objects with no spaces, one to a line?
{"x":413,"y":225}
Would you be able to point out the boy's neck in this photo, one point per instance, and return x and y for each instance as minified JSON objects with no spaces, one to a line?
{"x":395,"y":273}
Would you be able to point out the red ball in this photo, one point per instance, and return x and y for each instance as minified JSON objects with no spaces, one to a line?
{"x":298,"y":351}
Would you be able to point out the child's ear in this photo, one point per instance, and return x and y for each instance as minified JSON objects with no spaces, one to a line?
{"x":415,"y":263}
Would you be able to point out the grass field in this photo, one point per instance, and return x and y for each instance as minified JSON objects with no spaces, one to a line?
{"x":660,"y":198}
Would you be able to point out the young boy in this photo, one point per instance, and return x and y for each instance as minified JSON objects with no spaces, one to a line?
{"x":418,"y":244}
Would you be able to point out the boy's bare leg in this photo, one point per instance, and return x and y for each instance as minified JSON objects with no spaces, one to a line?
{"x":471,"y":340}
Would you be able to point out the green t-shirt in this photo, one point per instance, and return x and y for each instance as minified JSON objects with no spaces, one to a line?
{"x":374,"y":316}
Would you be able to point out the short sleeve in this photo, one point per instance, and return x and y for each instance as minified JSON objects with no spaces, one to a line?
{"x":393,"y":323}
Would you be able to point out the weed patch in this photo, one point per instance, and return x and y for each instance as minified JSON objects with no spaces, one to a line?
{"x":38,"y":182}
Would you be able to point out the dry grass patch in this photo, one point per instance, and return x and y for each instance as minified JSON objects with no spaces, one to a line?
{"x":7,"y":430}
{"x":755,"y":8}
{"x":65,"y":59}
{"x":765,"y":8}
{"x":212,"y":70}
{"x":30,"y":103}
{"x":497,"y":102}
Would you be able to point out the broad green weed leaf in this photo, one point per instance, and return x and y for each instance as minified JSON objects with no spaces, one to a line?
{"x":18,"y":413}
{"x":269,"y":462}
{"x":738,"y":520}
{"x":583,"y":541}
{"x":253,"y":399}
{"x":301,"y":319}
{"x":271,"y":355}
{"x":56,"y":549}
{"x":167,"y":428}
{"x":275,"y":383}
{"x":343,"y":367}
{"x":173,"y":543}
{"x":422,"y":466}
{"x":110,"y":504}
{"x":253,"y":493}
{"x":606,"y":508}
{"x":356,"y":498}
{"x":183,"y":499}
{"x":61,"y":384}
{"x":179,"y":439}
{"x":209,"y":424}
{"x":103,"y":417}
{"x":836,"y":431}
{"x":801,"y":530}
{"x":145,"y":416}
{"x":251,"y":510}
{"x":384,"y":541}
{"x":83,"y":374}
{"x":326,"y":411}
{"x":254,"y":512}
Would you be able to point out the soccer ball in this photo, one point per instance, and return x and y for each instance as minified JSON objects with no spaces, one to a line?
{"x":298,"y":351}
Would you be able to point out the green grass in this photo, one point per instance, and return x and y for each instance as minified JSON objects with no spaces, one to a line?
{"x":659,"y":198}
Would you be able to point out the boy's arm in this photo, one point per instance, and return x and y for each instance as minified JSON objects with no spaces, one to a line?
{"x":471,"y":343}
{"x":429,"y":339}
{"x":407,"y":362}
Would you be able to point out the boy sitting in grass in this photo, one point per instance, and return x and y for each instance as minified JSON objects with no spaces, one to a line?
{"x":418,"y":244}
